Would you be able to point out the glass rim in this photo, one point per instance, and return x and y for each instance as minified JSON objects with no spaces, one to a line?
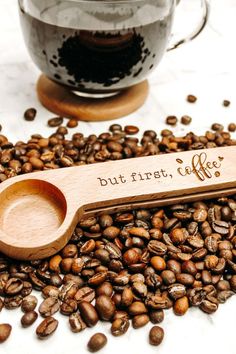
{"x":106,"y":2}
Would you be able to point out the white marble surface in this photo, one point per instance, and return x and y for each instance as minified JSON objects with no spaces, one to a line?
{"x":205,"y":67}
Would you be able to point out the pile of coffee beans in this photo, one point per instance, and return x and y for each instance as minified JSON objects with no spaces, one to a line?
{"x":125,"y":268}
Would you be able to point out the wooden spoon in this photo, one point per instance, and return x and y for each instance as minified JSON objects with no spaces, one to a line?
{"x":39,"y":211}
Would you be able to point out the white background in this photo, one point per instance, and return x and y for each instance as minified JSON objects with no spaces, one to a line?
{"x":206,"y":68}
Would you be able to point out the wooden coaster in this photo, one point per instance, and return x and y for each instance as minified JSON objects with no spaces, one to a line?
{"x":63,"y":102}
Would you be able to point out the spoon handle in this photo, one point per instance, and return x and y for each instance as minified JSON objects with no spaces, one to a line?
{"x":150,"y":178}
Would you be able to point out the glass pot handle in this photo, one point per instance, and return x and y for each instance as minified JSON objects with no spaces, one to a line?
{"x":199,"y":28}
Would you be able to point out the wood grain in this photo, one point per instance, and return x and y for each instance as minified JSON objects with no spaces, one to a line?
{"x":61,"y":101}
{"x":47,"y":205}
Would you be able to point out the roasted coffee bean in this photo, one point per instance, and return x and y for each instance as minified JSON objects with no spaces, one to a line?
{"x":104,"y":289}
{"x":140,"y":321}
{"x":72,"y":123}
{"x":36,"y":282}
{"x":54,"y":263}
{"x":30,"y":114}
{"x":226,"y":103}
{"x":29,"y":303}
{"x":50,"y":291}
{"x":168,"y":277}
{"x":186,"y":119}
{"x":27,"y":289}
{"x":156,"y":316}
{"x":127,"y":297}
{"x":97,"y":279}
{"x":105,"y":307}
{"x":85,"y":294}
{"x":174,"y":266}
{"x":120,"y":326}
{"x":47,"y":327}
{"x":176,"y":291}
{"x":191,"y":98}
{"x":88,"y":313}
{"x":29,"y":318}
{"x":171,"y":120}
{"x":137,"y":308}
{"x":13,"y":286}
{"x":68,"y":307}
{"x":181,"y":306}
{"x":140,"y":289}
{"x":157,"y":248}
{"x":131,"y":257}
{"x":49,"y":306}
{"x":55,"y":122}
{"x":76,"y":323}
{"x":5,"y":331}
{"x":224,"y":295}
{"x":13,"y":302}
{"x":68,"y":291}
{"x":97,"y":342}
{"x":156,"y":335}
{"x":232,"y":127}
{"x":221,"y":227}
{"x":158,"y":263}
{"x":208,"y":306}
{"x":217,"y":127}
{"x":131,"y":129}
{"x":185,"y":279}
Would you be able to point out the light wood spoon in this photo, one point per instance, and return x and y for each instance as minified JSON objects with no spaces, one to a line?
{"x":39,"y":211}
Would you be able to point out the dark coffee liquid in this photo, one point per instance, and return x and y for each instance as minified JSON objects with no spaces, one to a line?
{"x":95,"y":60}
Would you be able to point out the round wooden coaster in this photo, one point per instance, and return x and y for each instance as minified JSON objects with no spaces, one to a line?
{"x":65,"y":103}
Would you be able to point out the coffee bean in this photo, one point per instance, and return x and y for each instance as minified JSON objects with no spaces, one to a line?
{"x":131,"y":129}
{"x":157,"y":248}
{"x":76,"y":323}
{"x":104,"y":289}
{"x":185,"y":279}
{"x":30,"y":114}
{"x":50,"y":291}
{"x":156,"y":335}
{"x":29,"y":303}
{"x":217,"y":127}
{"x":88,"y":313}
{"x":176,"y":291}
{"x":29,"y":318}
{"x":137,"y":308}
{"x":72,"y":123}
{"x":68,"y":306}
{"x":171,"y":120}
{"x":181,"y":306}
{"x":131,"y":257}
{"x":127,"y":297}
{"x":139,"y":321}
{"x":5,"y":331}
{"x":208,"y":306}
{"x":13,"y":302}
{"x":186,"y":119}
{"x":156,"y":316}
{"x":97,"y":342}
{"x":226,"y":103}
{"x":158,"y":263}
{"x":191,"y":98}
{"x":13,"y":286}
{"x":119,"y":326}
{"x":232,"y":127}
{"x":168,"y":277}
{"x":47,"y":327}
{"x":49,"y":306}
{"x":55,"y":122}
{"x":105,"y":307}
